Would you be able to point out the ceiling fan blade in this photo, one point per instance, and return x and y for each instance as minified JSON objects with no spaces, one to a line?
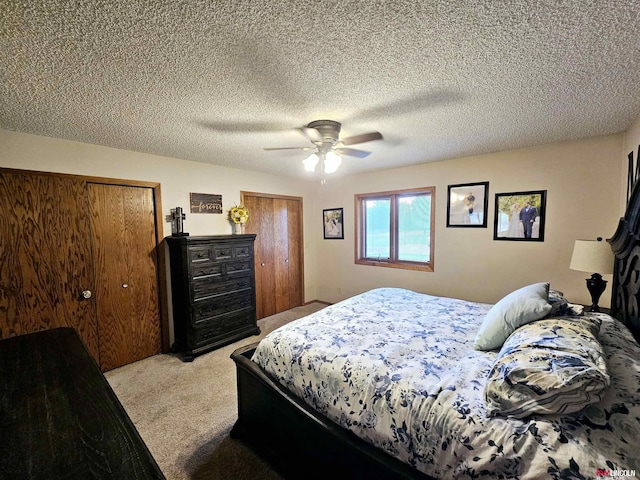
{"x":312,"y":134}
{"x":291,"y":148}
{"x":352,"y":152}
{"x":365,"y":137}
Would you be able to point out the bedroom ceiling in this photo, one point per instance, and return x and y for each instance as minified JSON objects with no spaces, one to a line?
{"x":216,"y":82}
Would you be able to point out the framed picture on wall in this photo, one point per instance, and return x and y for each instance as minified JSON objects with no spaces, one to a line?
{"x":333,"y":223}
{"x":520,"y":216}
{"x":467,"y":205}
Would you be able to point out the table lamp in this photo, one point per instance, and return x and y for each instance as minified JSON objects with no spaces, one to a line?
{"x":593,"y":256}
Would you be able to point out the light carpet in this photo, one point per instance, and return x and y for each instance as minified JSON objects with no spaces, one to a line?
{"x":185,"y":411}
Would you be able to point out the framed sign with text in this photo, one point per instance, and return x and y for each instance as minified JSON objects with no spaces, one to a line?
{"x":205,"y":203}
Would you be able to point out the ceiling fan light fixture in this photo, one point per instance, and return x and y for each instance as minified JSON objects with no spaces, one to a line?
{"x":331,"y":162}
{"x":310,"y":162}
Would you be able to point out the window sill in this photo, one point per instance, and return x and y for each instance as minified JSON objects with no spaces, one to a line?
{"x":424,"y":267}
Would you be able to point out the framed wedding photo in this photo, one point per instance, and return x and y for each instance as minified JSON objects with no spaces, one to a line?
{"x":520,"y":216}
{"x":333,"y":223}
{"x":467,"y":205}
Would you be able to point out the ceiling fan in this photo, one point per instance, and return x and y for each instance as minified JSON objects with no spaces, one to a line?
{"x":324,"y":134}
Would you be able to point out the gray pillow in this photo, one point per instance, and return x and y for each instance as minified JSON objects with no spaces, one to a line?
{"x":516,"y":309}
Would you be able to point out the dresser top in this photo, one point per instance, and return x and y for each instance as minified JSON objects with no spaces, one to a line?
{"x":60,"y":417}
{"x":209,"y":238}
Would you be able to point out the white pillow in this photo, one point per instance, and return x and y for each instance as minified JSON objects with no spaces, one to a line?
{"x":516,"y":309}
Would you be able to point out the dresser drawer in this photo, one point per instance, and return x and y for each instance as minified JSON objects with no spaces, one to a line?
{"x":221,"y":326}
{"x":243,"y":251}
{"x":213,"y":306}
{"x":205,"y":269}
{"x":223,"y":252}
{"x":208,"y":286}
{"x":199,"y":254}
{"x":239,"y":267}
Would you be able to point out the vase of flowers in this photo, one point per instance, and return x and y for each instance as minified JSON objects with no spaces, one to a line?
{"x":238,"y":215}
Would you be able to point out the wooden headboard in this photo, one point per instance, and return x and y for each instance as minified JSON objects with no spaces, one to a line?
{"x":625,"y":243}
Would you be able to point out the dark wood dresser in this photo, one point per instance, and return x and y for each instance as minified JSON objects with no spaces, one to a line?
{"x":59,"y":417}
{"x":213,"y":291}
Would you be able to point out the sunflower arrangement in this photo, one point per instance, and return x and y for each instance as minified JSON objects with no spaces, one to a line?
{"x":239,"y":214}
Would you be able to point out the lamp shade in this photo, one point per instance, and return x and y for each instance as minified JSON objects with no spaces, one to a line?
{"x":592,"y":256}
{"x":331,"y":162}
{"x":310,"y":162}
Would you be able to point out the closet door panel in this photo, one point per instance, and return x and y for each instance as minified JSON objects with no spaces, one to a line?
{"x":281,"y":254}
{"x":263,"y":226}
{"x":45,"y":256}
{"x":294,"y":244}
{"x":107,"y":218}
{"x":277,"y":223}
{"x":124,"y":253}
{"x":141,"y":251}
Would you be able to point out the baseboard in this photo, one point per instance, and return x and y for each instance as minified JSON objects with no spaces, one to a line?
{"x":317,"y":301}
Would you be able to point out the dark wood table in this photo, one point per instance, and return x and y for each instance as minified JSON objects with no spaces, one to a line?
{"x":59,"y":417}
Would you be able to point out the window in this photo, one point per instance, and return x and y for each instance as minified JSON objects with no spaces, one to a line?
{"x":395,"y":229}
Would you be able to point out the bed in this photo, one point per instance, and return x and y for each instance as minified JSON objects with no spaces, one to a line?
{"x":385,"y":385}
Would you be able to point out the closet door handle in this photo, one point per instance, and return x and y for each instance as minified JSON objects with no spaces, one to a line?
{"x":262,"y":264}
{"x":286,"y":260}
{"x":86,"y":294}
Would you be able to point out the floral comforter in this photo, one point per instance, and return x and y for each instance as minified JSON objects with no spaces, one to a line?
{"x":398,"y":368}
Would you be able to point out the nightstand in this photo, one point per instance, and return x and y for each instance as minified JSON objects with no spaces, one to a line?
{"x":602,"y":309}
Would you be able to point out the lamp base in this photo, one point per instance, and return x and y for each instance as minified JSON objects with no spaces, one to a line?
{"x":596,"y":285}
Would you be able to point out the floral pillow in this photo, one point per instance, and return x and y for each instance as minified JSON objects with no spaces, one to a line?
{"x":561,"y":307}
{"x":550,"y":366}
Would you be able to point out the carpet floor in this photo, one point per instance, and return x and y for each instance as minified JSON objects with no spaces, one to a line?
{"x":184,"y":411}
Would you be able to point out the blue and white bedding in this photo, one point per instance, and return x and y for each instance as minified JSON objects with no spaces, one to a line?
{"x":398,"y":368}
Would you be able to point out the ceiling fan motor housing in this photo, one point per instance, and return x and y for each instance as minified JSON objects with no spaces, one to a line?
{"x":329,"y":130}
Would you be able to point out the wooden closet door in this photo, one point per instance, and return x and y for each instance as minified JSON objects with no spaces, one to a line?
{"x":280,"y":254}
{"x":45,"y":256}
{"x":294,"y":253}
{"x":124,"y":252}
{"x":277,"y":223}
{"x":262,"y":224}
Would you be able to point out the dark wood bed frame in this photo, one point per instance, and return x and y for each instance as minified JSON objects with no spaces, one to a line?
{"x":304,"y":444}
{"x":625,"y":243}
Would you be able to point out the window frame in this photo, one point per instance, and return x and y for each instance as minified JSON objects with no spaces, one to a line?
{"x":360,"y":229}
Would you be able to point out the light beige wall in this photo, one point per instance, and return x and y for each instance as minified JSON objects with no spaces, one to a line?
{"x":582,"y":179}
{"x":177,"y":178}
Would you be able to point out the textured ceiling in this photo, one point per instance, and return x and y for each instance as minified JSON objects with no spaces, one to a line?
{"x":215,"y":82}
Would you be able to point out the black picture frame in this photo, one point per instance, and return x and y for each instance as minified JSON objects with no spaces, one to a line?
{"x":333,"y":223}
{"x":512,"y":214}
{"x":467,"y":205}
